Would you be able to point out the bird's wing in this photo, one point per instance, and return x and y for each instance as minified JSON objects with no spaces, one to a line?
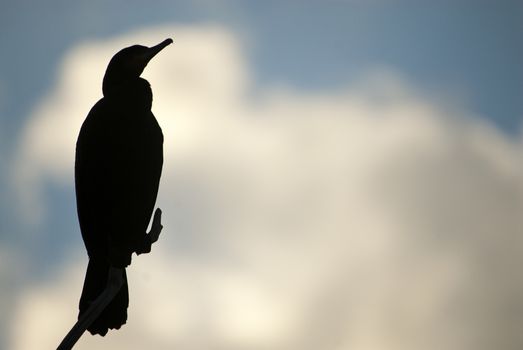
{"x":118,"y":167}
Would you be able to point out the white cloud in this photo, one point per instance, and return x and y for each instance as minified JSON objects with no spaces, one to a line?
{"x":366,"y":218}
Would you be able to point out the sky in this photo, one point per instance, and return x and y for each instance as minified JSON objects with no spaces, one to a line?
{"x":338,"y":174}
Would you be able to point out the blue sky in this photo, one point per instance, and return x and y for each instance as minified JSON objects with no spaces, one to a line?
{"x":316,"y":58}
{"x":470,"y":46}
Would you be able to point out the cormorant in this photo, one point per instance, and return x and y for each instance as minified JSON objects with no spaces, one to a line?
{"x":118,"y":165}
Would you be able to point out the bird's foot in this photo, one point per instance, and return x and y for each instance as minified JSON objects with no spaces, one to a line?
{"x":156,"y":226}
{"x":149,"y":238}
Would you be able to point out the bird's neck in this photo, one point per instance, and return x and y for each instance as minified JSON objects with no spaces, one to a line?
{"x":134,"y":92}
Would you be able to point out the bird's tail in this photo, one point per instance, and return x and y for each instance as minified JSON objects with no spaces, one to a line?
{"x":115,"y":313}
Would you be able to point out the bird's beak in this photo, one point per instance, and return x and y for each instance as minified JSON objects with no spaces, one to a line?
{"x":157,"y":48}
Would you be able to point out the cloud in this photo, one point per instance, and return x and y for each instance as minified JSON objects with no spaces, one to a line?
{"x":371,"y":217}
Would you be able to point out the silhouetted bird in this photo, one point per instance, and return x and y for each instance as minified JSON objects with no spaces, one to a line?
{"x":117,"y":172}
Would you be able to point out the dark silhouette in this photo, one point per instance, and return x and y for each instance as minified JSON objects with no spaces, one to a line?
{"x":117,"y":173}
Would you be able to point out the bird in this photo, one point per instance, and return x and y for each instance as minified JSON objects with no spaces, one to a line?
{"x":118,"y":165}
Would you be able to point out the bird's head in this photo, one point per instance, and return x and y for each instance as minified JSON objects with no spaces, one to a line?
{"x":129,"y":63}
